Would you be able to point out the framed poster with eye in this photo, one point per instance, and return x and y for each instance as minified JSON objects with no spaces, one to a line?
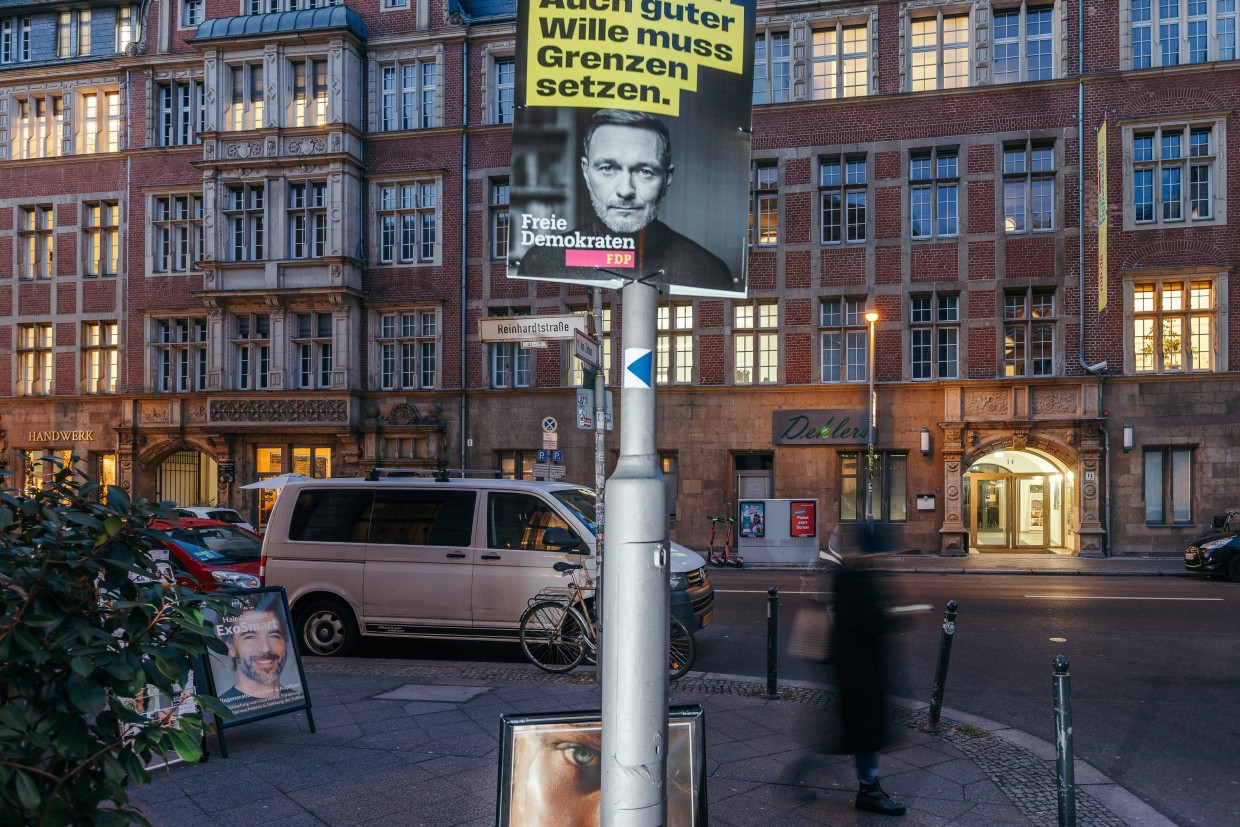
{"x":550,"y":768}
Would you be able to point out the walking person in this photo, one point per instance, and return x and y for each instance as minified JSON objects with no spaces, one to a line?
{"x":860,"y":624}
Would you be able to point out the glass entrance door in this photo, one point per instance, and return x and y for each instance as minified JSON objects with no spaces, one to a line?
{"x":1031,"y":507}
{"x":989,"y":517}
{"x":1009,"y":511}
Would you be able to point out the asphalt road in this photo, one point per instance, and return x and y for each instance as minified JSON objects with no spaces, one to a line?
{"x":1154,"y":665}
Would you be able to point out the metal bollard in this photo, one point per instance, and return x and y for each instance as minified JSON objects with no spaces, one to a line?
{"x":940,"y":669}
{"x":772,"y":641}
{"x":1065,"y":775}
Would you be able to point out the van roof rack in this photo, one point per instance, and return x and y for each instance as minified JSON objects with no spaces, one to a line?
{"x":442,"y":473}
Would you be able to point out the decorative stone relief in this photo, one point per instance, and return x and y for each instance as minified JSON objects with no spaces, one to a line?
{"x":1054,"y":402}
{"x":279,"y":410}
{"x":987,"y":404}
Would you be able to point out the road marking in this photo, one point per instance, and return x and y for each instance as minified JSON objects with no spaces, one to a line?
{"x":755,"y":591}
{"x":1105,"y":597}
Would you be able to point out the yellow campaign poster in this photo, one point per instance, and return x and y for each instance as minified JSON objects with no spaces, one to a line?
{"x":1102,"y":217}
{"x":631,"y":143}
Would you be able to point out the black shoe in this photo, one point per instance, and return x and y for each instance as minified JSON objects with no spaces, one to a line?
{"x":872,"y":799}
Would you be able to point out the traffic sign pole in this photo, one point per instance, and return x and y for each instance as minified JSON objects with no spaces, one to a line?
{"x":636,"y":601}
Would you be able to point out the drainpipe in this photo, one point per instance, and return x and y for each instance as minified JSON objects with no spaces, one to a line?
{"x":1099,"y":368}
{"x":464,"y":414}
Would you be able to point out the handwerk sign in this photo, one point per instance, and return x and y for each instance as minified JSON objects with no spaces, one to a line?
{"x":61,"y":436}
{"x":819,"y":427}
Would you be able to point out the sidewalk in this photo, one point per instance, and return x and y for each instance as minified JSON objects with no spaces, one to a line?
{"x":403,"y":742}
{"x":1011,"y":563}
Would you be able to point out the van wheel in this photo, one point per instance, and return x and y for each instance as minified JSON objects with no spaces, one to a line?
{"x":327,"y":628}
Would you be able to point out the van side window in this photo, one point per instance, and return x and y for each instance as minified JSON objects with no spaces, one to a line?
{"x":422,"y":518}
{"x":519,"y":521}
{"x":330,"y":516}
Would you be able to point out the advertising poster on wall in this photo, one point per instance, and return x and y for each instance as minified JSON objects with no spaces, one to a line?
{"x":802,"y":518}
{"x":261,"y":675}
{"x":753,"y":519}
{"x":631,"y":144}
{"x":550,"y":773}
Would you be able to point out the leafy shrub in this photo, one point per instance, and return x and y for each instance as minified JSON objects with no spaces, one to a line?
{"x":85,"y":624}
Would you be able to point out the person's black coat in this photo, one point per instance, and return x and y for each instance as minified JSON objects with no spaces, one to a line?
{"x":860,"y":623}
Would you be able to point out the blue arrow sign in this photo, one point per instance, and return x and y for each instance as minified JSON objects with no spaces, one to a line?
{"x":638,"y":367}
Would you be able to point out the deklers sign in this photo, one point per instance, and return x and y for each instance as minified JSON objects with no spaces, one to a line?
{"x":631,"y":143}
{"x":829,"y":427}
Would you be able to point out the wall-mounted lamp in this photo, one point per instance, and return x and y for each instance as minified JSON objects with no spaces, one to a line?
{"x":1127,"y":436}
{"x":925,"y":442}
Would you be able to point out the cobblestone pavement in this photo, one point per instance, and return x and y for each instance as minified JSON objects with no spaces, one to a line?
{"x":413,"y":742}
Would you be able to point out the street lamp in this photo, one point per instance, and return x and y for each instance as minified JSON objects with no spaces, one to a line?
{"x":871,"y":317}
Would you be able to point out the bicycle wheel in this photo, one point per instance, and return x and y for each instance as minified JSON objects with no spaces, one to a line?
{"x":552,"y":636}
{"x":681,"y":649}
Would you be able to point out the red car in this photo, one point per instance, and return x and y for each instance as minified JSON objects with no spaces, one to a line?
{"x":209,"y":554}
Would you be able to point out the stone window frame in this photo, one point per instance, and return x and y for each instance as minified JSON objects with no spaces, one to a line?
{"x":377,"y":59}
{"x":195,"y":348}
{"x":378,"y":210}
{"x":1217,"y":120}
{"x":850,"y":327}
{"x":35,"y":343}
{"x":153,"y":253}
{"x":981,"y":47}
{"x":675,"y":343}
{"x":399,"y":338}
{"x":1212,"y":36}
{"x":800,"y":28}
{"x":492,"y":55}
{"x":1217,"y":275}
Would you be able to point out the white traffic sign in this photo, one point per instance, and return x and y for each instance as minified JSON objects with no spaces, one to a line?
{"x":557,"y":472}
{"x":524,"y":328}
{"x":542,"y":469}
{"x":586,"y":349}
{"x":551,"y":442}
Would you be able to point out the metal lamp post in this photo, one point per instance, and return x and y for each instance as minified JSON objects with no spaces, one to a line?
{"x":871,"y":317}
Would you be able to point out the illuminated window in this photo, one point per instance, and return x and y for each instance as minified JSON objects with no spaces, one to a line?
{"x":40,"y":127}
{"x":100,"y":356}
{"x":36,"y":244}
{"x":764,"y":206}
{"x":841,"y":61}
{"x":34,"y":360}
{"x":675,"y":345}
{"x":1029,"y":320}
{"x":940,"y":52}
{"x":245,"y":108}
{"x":101,"y":227}
{"x":1173,"y":325}
{"x":181,"y":112}
{"x":756,"y":343}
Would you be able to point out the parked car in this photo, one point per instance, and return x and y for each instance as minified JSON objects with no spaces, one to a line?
{"x":459,"y":558}
{"x":1215,"y":554}
{"x":211,"y":554}
{"x":215,"y":512}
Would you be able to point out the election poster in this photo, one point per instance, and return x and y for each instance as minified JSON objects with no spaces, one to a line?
{"x":550,"y":768}
{"x":260,"y":674}
{"x":631,"y":143}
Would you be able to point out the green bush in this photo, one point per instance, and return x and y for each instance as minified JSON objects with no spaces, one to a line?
{"x":85,"y":624}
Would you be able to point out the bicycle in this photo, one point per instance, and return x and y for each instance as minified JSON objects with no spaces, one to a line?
{"x":726,"y":557}
{"x":558,"y":629}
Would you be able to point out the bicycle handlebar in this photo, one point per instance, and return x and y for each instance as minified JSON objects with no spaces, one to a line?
{"x":722,"y":519}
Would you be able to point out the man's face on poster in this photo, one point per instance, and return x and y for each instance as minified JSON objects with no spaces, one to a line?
{"x":559,"y":780}
{"x":624,"y":176}
{"x":261,"y":650}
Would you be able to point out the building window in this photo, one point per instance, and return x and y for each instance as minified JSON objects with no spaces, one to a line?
{"x":252,"y":351}
{"x":515,"y":465}
{"x":410,"y":96}
{"x":35,"y":241}
{"x":512,"y":366}
{"x":675,"y":345}
{"x":504,"y":82}
{"x":1168,"y":486}
{"x":756,"y":343}
{"x":312,"y":337}
{"x":772,"y":68}
{"x":764,"y":206}
{"x":500,"y":229}
{"x":888,"y":501}
{"x":309,"y":92}
{"x":245,"y":108}
{"x":176,"y":233}
{"x":1173,"y":325}
{"x":40,"y":127}
{"x":669,"y":464}
{"x":73,"y":33}
{"x":940,"y":52}
{"x":1029,"y":333}
{"x":14,"y":40}
{"x":1024,"y":45}
{"x":842,"y":199}
{"x":934,"y":193}
{"x":180,"y":353}
{"x":935,"y":336}
{"x":841,"y":61}
{"x":34,"y":360}
{"x":307,"y":220}
{"x":408,"y":344}
{"x":40,"y":466}
{"x":124,"y":28}
{"x":191,"y":12}
{"x":243,"y":216}
{"x":1185,"y":31}
{"x":182,"y":113}
{"x":101,"y":357}
{"x":408,"y":217}
{"x":102,"y":227}
{"x":578,"y":378}
{"x":99,"y":129}
{"x":1173,"y":174}
{"x":1028,"y":187}
{"x":844,"y":340}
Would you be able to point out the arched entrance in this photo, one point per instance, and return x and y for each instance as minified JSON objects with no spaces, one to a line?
{"x":188,"y":477}
{"x":1019,"y":501}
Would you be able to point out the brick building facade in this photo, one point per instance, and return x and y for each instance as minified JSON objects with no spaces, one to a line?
{"x":245,"y":237}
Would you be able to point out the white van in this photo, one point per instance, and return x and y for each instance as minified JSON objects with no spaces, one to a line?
{"x":419,"y":557}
